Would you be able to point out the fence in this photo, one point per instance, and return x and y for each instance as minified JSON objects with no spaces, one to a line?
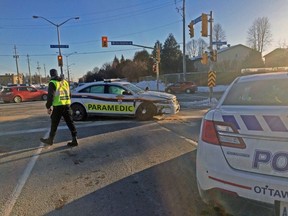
{"x":200,"y":78}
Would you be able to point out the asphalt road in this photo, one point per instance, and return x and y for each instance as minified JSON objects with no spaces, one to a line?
{"x":121,"y":167}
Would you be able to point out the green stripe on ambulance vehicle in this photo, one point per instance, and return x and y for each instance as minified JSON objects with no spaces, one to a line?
{"x":110,"y":107}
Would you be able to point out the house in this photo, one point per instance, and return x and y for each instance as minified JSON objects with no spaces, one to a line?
{"x":277,"y":58}
{"x":11,"y":79}
{"x":232,"y":58}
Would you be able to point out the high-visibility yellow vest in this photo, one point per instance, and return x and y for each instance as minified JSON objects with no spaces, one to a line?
{"x":62,"y":93}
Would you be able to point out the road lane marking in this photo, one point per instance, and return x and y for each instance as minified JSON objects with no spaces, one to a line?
{"x":8,"y":207}
{"x":64,"y":127}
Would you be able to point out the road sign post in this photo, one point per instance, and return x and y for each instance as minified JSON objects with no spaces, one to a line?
{"x":211,"y":83}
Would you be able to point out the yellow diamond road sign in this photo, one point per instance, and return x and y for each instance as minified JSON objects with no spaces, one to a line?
{"x":211,"y":78}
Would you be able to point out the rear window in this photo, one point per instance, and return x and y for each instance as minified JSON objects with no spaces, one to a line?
{"x":262,"y":92}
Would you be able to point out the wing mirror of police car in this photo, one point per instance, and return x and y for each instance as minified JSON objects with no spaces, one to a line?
{"x":127,"y":93}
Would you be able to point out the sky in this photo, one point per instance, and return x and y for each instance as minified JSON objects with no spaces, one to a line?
{"x":141,"y":21}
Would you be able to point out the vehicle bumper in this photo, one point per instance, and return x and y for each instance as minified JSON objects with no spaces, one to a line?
{"x":168,"y":109}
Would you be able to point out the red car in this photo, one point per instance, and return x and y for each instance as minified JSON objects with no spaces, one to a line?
{"x":181,"y":87}
{"x":18,"y":94}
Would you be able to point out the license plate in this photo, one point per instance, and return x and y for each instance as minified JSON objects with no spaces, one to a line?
{"x":281,"y":208}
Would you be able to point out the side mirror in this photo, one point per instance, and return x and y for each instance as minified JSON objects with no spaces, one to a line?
{"x":127,"y":93}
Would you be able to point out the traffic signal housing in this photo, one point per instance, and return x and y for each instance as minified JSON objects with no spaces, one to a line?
{"x":204,"y":59}
{"x":204,"y":31}
{"x":213,"y":55}
{"x":158,"y":58}
{"x":104,"y":41}
{"x":60,"y":61}
{"x":191,"y":29}
{"x":154,"y":67}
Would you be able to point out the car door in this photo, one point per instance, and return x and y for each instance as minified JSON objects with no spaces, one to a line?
{"x":122,"y":102}
{"x":32,"y":93}
{"x":92,"y":97}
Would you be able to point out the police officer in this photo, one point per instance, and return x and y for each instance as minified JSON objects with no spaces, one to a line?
{"x":58,"y":103}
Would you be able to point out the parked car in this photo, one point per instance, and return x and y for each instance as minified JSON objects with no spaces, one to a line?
{"x":120,"y":99}
{"x":181,"y":87}
{"x":242,"y":150}
{"x":18,"y":94}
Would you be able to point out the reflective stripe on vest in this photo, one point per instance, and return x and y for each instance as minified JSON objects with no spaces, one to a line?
{"x":62,"y":93}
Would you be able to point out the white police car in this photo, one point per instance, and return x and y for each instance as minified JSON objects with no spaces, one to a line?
{"x":120,"y":98}
{"x":243,"y":145}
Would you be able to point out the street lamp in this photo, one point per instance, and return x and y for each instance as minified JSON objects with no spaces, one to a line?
{"x":68,"y":65}
{"x":58,"y":33}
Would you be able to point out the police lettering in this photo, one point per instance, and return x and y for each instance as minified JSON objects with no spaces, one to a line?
{"x":110,"y":107}
{"x":278,"y":161}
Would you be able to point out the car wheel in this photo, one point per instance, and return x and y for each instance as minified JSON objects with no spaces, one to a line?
{"x":146,"y":111}
{"x":188,"y":91}
{"x":44,"y":97}
{"x":17,"y":99}
{"x":169,"y":91}
{"x":78,"y":112}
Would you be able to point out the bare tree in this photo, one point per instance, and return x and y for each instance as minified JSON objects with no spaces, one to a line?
{"x":192,"y":48}
{"x":282,"y":44}
{"x":259,"y":34}
{"x":202,"y":46}
{"x":218,"y":34}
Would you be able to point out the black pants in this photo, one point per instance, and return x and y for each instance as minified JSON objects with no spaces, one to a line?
{"x":65,"y":112}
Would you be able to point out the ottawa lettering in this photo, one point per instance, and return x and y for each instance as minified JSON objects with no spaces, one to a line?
{"x":110,"y":107}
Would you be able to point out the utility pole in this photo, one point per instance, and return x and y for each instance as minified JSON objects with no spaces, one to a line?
{"x":184,"y":44}
{"x":38,"y":68}
{"x":30,"y":78}
{"x":16,"y":58}
{"x":45,"y":74}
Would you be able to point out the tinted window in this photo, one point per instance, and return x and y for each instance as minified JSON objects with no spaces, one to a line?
{"x":261,"y":92}
{"x":97,"y":89}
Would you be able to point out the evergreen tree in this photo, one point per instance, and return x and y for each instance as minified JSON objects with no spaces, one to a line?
{"x":170,"y":56}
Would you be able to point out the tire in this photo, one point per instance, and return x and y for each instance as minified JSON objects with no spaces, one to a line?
{"x":44,"y":97}
{"x":146,"y":111}
{"x":17,"y":99}
{"x":169,"y":91}
{"x":188,"y":91}
{"x":78,"y":112}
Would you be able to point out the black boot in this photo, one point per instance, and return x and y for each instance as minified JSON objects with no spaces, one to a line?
{"x":47,"y":141}
{"x":73,"y":143}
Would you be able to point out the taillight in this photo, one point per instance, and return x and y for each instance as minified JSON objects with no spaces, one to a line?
{"x":223,"y":133}
{"x":209,"y":133}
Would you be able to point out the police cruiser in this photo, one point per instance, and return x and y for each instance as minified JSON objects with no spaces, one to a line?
{"x":120,"y":98}
{"x":242,"y":151}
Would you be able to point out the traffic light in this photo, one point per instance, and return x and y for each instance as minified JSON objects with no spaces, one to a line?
{"x":204,"y":31}
{"x":191,"y":29}
{"x":104,"y":41}
{"x":60,"y":61}
{"x":158,"y":55}
{"x":204,"y":59}
{"x":154,"y":67}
